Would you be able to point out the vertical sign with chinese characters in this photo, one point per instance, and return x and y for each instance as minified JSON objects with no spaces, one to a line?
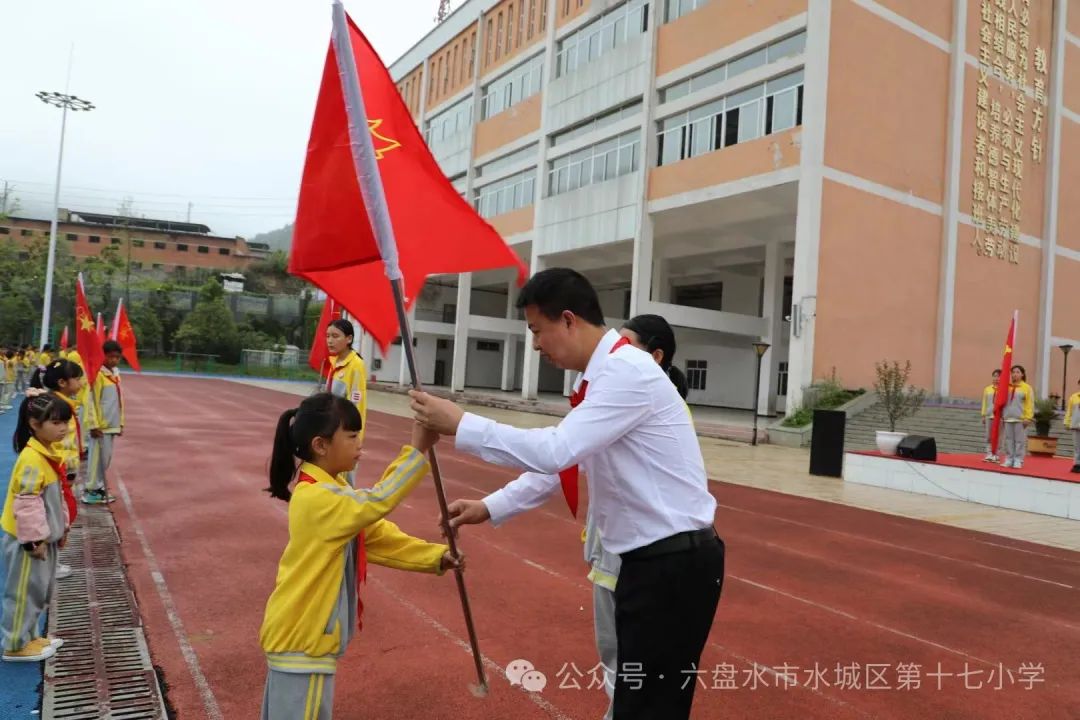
{"x":1008,"y":125}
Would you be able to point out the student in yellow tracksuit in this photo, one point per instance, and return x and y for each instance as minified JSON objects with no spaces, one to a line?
{"x":347,"y":376}
{"x":1072,"y":421}
{"x":105,"y":423}
{"x":84,"y":410}
{"x":34,"y":522}
{"x":1019,"y":412}
{"x":989,"y":395}
{"x":334,"y":531}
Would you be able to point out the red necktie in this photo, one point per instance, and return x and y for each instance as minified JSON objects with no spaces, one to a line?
{"x":569,"y":476}
{"x":361,"y":564}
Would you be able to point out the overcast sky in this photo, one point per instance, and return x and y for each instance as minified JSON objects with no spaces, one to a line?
{"x":207,"y":101}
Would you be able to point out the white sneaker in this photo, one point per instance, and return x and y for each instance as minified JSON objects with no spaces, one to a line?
{"x":1018,"y":464}
{"x":989,"y":457}
{"x":63,"y":571}
{"x":1007,"y":463}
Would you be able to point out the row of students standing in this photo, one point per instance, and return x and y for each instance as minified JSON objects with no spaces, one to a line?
{"x":65,"y":439}
{"x":16,"y":365}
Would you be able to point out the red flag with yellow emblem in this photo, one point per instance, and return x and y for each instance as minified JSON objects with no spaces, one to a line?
{"x":436,"y":230}
{"x":1004,"y":384}
{"x":124,"y":333}
{"x":87,"y":341}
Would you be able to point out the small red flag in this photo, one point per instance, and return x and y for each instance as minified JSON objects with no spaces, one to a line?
{"x":124,"y":333}
{"x":87,"y":340}
{"x":1001,"y":399}
{"x":64,"y":339}
{"x":319,"y":353}
{"x":436,"y":230}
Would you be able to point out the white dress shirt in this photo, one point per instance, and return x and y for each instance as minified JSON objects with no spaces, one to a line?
{"x":633,"y":437}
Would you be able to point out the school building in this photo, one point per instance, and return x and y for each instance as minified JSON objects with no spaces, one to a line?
{"x":847,"y":180}
{"x":153,"y":246}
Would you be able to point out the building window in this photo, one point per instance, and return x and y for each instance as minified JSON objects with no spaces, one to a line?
{"x":26,"y":233}
{"x":24,"y":256}
{"x":136,"y":266}
{"x":72,"y":237}
{"x":449,"y":313}
{"x":789,"y":290}
{"x":707,"y":296}
{"x":595,"y":164}
{"x":597,"y":122}
{"x":159,"y":246}
{"x":138,"y":243}
{"x":677,"y":8}
{"x":94,"y":239}
{"x":510,"y":193}
{"x":203,"y":250}
{"x":115,"y":241}
{"x":774,"y":52}
{"x":513,"y":87}
{"x":223,"y":251}
{"x":696,"y":371}
{"x":488,"y":346}
{"x":181,"y":247}
{"x":156,"y":266}
{"x":601,"y":35}
{"x":781,"y":379}
{"x":525,"y":154}
{"x":760,"y":110}
{"x":449,"y":124}
{"x":5,"y":231}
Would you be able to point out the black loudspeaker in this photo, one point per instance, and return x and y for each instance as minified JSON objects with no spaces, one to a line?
{"x":827,"y":443}
{"x":918,"y":447}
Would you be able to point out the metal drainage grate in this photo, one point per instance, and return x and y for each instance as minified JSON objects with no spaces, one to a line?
{"x":104,"y":670}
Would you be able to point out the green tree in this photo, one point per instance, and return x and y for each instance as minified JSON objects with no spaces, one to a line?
{"x":17,"y":318}
{"x":148,"y":329}
{"x":210,"y":327}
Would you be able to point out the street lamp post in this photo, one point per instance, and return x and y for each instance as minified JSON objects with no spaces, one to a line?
{"x":1065,"y":374}
{"x":759,"y":348}
{"x":65,"y":102}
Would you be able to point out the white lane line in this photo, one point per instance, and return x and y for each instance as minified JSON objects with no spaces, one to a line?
{"x":210,"y":704}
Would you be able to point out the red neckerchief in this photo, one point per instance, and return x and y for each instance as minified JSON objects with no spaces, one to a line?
{"x":69,"y":497}
{"x":361,"y":562}
{"x":116,"y":383}
{"x":569,"y":476}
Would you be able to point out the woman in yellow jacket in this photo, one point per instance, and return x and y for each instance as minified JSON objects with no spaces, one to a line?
{"x":1018,"y":413}
{"x":1072,"y":422}
{"x":334,"y":531}
{"x":347,"y":376}
{"x":989,"y":397}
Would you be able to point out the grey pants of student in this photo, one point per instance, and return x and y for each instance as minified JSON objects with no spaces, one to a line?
{"x":27,"y":592}
{"x":98,"y":460}
{"x":298,"y":696}
{"x":1076,"y":446}
{"x":1015,"y":441}
{"x":607,"y":643}
{"x":988,"y":425}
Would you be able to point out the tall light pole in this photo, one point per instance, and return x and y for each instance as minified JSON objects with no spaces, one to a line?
{"x":759,"y":348}
{"x":65,"y":102}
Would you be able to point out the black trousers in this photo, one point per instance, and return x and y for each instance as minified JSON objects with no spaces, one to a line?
{"x":664,"y":609}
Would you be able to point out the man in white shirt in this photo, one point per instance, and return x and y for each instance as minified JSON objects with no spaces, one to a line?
{"x":631,"y":433}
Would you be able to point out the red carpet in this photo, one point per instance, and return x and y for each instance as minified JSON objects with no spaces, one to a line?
{"x":1051,"y":468}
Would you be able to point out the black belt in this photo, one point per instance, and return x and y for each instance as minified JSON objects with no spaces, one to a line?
{"x":682,"y":542}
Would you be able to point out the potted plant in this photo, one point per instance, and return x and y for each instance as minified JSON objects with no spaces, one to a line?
{"x":898,"y":398}
{"x":1041,"y":443}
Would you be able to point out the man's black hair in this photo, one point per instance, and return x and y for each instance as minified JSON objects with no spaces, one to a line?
{"x":556,"y":290}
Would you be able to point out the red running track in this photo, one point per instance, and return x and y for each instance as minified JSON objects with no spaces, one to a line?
{"x":827,"y":612}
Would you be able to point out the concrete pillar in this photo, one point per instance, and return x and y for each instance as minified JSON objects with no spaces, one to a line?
{"x":510,"y":341}
{"x":661,"y":280}
{"x":530,"y":379}
{"x":641,"y":280}
{"x":461,"y":332}
{"x":773,"y":310}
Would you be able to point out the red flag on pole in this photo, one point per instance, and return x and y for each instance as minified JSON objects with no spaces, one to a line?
{"x":436,"y":230}
{"x":100,"y":328}
{"x":319,"y":353}
{"x":124,"y":333}
{"x":64,"y":339}
{"x":1002,"y":397}
{"x":87,"y":340}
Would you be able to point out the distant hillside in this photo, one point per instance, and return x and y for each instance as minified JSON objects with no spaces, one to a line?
{"x":280,"y":239}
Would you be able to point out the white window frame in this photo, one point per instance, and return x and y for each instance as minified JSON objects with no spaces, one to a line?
{"x":595,"y":163}
{"x":591,"y":42}
{"x":523,"y":81}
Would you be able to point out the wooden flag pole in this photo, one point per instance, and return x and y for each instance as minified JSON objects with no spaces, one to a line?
{"x":414,"y":377}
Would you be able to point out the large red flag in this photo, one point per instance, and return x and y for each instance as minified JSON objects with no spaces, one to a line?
{"x":124,"y":333}
{"x":437,"y":231}
{"x":64,"y":339}
{"x":319,"y":353}
{"x":1002,"y":397}
{"x":87,"y":341}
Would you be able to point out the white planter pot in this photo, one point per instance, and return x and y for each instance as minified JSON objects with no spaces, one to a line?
{"x":888,"y":441}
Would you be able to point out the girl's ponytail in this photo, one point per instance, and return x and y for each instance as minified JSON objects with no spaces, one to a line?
{"x":37,"y":379}
{"x":282,"y":463}
{"x":23,"y":431}
{"x":679,"y":380}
